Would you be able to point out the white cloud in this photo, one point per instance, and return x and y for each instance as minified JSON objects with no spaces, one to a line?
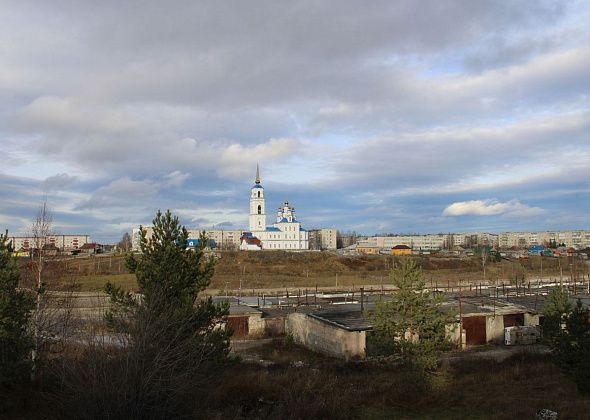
{"x":59,"y":181}
{"x":121,"y":193}
{"x":176,"y":178}
{"x":491,"y":208}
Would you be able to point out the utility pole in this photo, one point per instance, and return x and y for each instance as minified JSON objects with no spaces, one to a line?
{"x":362,"y":299}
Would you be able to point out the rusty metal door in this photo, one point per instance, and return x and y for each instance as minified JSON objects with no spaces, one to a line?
{"x":475,"y":329}
{"x":239,"y":325}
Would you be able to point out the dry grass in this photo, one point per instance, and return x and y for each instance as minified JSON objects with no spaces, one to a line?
{"x":95,"y":282}
{"x":516,"y":388}
{"x":280,"y":270}
{"x":327,"y":388}
{"x":276,"y":270}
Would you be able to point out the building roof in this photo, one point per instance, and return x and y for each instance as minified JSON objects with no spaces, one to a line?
{"x":482,"y":305}
{"x":347,"y":319}
{"x":250,"y":239}
{"x":401,"y":247}
{"x":242,"y":310}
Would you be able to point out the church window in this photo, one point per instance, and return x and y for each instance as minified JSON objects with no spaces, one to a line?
{"x":258,"y":193}
{"x":259,"y":209}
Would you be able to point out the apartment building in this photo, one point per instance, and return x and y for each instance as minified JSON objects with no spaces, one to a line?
{"x":323,"y":239}
{"x":416,"y":242}
{"x":224,"y":239}
{"x":62,"y":242}
{"x":578,"y":239}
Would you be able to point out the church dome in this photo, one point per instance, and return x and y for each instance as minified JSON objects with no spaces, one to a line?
{"x":257,"y":186}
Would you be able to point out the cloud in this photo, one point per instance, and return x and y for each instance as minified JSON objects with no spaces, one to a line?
{"x":59,"y":181}
{"x":121,"y":193}
{"x":176,"y":178}
{"x":491,"y":208}
{"x":371,"y":118}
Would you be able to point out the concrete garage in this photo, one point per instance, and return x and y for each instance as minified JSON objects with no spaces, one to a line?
{"x":335,"y":333}
{"x":484,"y":319}
{"x":342,"y":332}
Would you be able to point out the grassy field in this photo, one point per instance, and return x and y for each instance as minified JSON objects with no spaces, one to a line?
{"x":280,"y":270}
{"x":97,"y":281}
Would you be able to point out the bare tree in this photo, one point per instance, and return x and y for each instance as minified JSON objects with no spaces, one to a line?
{"x":484,"y":259}
{"x":40,"y":231}
{"x":125,"y":242}
{"x":52,"y":292}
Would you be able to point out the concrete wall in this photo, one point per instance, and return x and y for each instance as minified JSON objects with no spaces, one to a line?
{"x":326,"y":338}
{"x":495,"y":329}
{"x":495,"y":326}
{"x":256,"y":324}
{"x":531,"y":319}
{"x":274,"y":327}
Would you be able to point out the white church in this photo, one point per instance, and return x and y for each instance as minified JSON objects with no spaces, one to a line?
{"x":285,"y":234}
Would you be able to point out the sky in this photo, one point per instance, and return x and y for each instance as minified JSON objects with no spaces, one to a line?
{"x":374,"y":117}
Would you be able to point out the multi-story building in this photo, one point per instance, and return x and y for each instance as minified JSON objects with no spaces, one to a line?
{"x":416,"y":242}
{"x":578,"y":239}
{"x":323,"y":239}
{"x":223,"y":239}
{"x":62,"y":242}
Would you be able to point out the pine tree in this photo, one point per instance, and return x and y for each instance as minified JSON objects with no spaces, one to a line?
{"x":556,"y":310}
{"x":15,"y":307}
{"x":411,"y":324}
{"x":567,"y":328}
{"x":175,"y":339}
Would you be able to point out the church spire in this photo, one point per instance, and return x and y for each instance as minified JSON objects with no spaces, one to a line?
{"x":257,"y":175}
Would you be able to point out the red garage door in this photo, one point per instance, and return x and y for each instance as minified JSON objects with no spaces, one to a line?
{"x":475,"y":329}
{"x":239,"y":325}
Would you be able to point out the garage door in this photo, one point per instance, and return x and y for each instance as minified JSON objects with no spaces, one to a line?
{"x":239,"y":325}
{"x":475,"y":330}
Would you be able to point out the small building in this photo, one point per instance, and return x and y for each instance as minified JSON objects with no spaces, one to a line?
{"x":483,"y":319}
{"x":195,"y":243}
{"x":365,"y":249}
{"x":343,"y":332}
{"x":89,"y":248}
{"x":536,"y":250}
{"x":249,"y":242}
{"x":21,"y":253}
{"x":245,"y":320}
{"x":401,"y":250}
{"x":335,"y":333}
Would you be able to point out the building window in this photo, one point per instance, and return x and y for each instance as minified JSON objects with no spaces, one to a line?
{"x":258,"y":194}
{"x":259,"y":209}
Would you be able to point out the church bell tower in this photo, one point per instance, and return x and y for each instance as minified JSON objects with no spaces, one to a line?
{"x":257,"y":217}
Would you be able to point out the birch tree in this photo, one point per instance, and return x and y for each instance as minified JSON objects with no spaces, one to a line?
{"x":52,"y":292}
